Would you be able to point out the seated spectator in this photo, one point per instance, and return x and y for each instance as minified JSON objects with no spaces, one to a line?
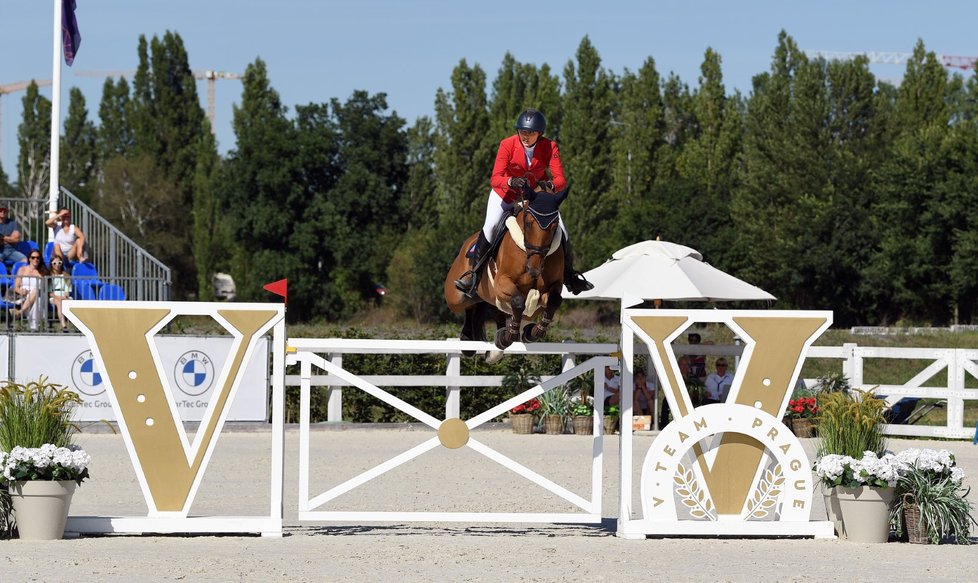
{"x":612,"y":387}
{"x":697,"y":362}
{"x":643,"y":399}
{"x":27,"y":287}
{"x":60,"y":289}
{"x":718,"y":383}
{"x":69,"y":241}
{"x":10,"y":230}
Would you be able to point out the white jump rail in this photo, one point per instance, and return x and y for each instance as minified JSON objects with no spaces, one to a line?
{"x":959,"y":363}
{"x":306,"y":354}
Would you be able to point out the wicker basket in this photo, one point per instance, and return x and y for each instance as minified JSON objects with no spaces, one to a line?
{"x":803,"y":427}
{"x":553,"y":424}
{"x":583,"y":424}
{"x":522,"y":423}
{"x":913,"y":523}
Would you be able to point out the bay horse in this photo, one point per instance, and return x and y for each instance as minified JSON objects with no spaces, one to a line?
{"x":523,"y":279}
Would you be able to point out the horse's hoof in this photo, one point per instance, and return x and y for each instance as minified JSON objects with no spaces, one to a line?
{"x":494,"y":356}
{"x":468,"y":353}
{"x":503,"y":339}
{"x":529,"y":333}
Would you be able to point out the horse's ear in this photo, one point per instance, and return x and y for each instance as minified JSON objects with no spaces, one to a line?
{"x":562,"y":195}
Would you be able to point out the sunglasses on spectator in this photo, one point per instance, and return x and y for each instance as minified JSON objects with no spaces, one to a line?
{"x":34,"y":257}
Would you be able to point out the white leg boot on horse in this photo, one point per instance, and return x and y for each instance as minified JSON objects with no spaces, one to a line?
{"x":469,"y":281}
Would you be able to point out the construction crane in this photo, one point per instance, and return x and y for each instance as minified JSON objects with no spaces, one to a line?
{"x":12,"y":88}
{"x":209,"y":75}
{"x":894,"y":58}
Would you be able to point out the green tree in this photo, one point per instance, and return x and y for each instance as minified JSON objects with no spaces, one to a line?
{"x":372,"y":153}
{"x":963,"y":187}
{"x":78,"y":152}
{"x":136,"y":196}
{"x":916,"y":246}
{"x":210,"y":232}
{"x":170,"y":126}
{"x":585,"y":133}
{"x":707,"y":163}
{"x":34,"y":142}
{"x":463,"y":153}
{"x":6,"y":190}
{"x":777,"y":176}
{"x":520,"y":86}
{"x":115,"y":131}
{"x":639,"y":133}
{"x":259,"y":192}
{"x":419,"y":203}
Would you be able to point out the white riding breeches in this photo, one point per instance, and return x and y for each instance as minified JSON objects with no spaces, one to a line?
{"x":496,"y":207}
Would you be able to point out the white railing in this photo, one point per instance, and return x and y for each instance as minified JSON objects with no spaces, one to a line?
{"x":959,"y":364}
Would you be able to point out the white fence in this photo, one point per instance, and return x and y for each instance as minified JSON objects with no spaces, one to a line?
{"x":451,"y":432}
{"x":959,"y":364}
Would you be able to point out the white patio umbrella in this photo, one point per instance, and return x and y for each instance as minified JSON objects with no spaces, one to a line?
{"x":659,"y":270}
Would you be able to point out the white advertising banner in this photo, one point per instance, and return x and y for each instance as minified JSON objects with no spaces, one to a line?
{"x":4,"y":357}
{"x":192,"y":365}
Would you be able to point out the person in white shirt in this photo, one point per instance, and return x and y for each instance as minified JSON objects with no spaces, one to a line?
{"x":718,"y":383}
{"x":69,"y":241}
{"x":612,"y":387}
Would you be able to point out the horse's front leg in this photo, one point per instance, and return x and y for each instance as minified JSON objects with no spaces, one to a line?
{"x":511,"y":333}
{"x":535,"y":331}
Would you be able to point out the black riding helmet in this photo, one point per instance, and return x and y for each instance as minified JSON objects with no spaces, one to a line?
{"x":531,"y":120}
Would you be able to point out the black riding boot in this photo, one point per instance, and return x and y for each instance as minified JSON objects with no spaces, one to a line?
{"x":573,"y":280}
{"x":469,"y":281}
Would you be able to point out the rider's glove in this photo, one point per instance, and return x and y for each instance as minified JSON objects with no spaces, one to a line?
{"x":517,"y":183}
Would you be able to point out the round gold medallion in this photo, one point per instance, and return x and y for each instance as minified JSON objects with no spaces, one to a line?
{"x":453,"y":433}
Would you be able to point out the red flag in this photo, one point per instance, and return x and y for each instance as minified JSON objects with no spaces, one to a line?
{"x":70,"y":37}
{"x":280,"y":288}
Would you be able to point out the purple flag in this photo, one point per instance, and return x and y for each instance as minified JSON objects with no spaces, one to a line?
{"x":70,"y":37}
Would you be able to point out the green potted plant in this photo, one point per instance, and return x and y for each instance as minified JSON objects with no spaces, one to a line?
{"x":40,"y":465}
{"x":611,"y":415}
{"x":555,"y":406}
{"x":582,"y":417}
{"x":850,"y":427}
{"x":930,"y":502}
{"x":582,"y":404}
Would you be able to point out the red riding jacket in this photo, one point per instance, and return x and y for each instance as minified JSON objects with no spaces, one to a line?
{"x":511,"y":162}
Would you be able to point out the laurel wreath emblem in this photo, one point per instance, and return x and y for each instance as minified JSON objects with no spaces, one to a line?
{"x":766,"y":494}
{"x":693,"y":497}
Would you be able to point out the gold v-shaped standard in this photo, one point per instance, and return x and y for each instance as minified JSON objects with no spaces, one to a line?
{"x":122,"y":338}
{"x":777,"y":347}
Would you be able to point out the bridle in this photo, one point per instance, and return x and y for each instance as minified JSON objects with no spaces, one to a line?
{"x":544,"y":220}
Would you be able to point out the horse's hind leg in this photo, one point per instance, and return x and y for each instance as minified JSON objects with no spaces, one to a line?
{"x":474,"y":327}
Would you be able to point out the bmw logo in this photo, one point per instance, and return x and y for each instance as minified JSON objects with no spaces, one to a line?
{"x":194,"y":373}
{"x":86,"y":376}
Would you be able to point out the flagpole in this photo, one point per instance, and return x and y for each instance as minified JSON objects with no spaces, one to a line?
{"x":55,"y":109}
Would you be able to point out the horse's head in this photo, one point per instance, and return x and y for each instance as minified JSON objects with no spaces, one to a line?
{"x":540,"y":222}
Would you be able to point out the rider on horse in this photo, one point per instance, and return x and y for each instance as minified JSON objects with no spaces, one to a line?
{"x":522,"y":160}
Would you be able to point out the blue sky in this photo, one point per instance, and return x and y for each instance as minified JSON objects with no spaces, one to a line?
{"x":319,"y":49}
